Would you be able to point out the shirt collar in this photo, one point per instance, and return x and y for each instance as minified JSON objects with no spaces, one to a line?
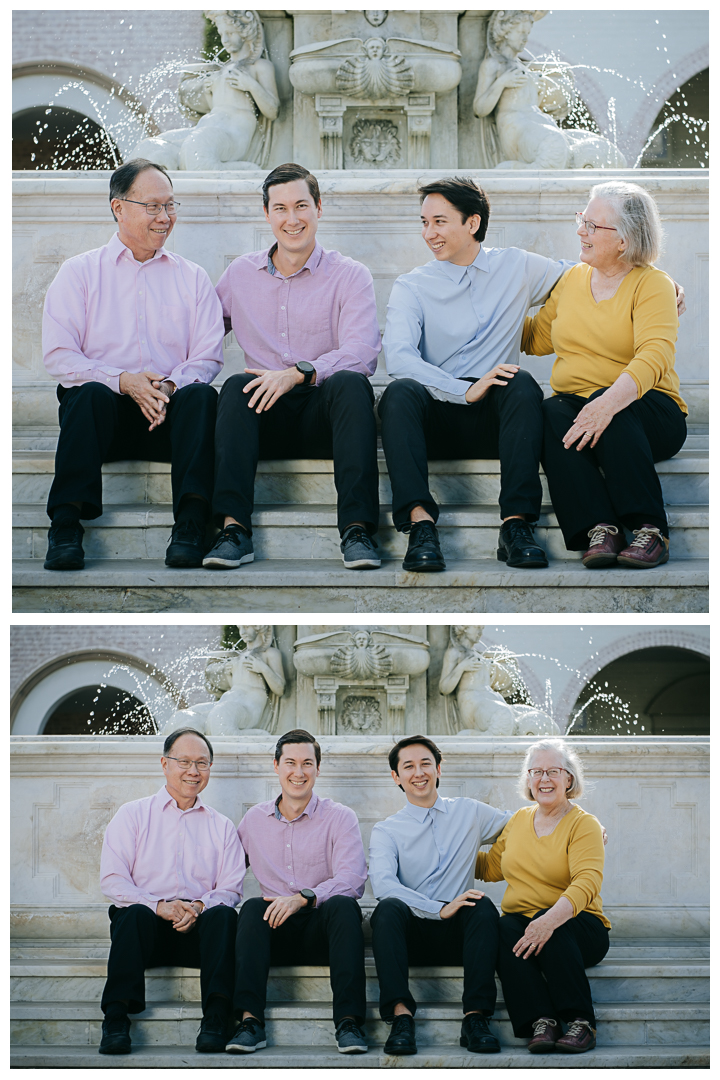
{"x":117,"y":248}
{"x":311,"y":265}
{"x":309,"y":809}
{"x":480,"y":262}
{"x":419,"y":813}
{"x":165,"y":799}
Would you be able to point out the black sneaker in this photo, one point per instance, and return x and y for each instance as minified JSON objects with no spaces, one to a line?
{"x":423,"y":551}
{"x":232,"y":548}
{"x":359,"y":550}
{"x":212,"y":1036}
{"x":65,"y":550}
{"x":476,"y":1035}
{"x":249,"y":1037}
{"x":349,"y":1037}
{"x":187,"y":544}
{"x":517,"y":545}
{"x":115,"y":1036}
{"x":401,"y":1039}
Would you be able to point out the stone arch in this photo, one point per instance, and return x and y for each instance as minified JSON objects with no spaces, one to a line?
{"x":641,"y":639}
{"x":641,"y":124}
{"x":39,"y":695}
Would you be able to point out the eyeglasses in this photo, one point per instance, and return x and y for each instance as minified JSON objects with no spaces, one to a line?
{"x":551,"y":773}
{"x":590,"y":225}
{"x":154,"y":208}
{"x":185,"y":763}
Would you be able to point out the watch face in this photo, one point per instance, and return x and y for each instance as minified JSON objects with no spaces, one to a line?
{"x":305,"y":367}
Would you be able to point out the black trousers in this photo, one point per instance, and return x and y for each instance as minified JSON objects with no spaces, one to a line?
{"x":330,"y":934}
{"x":627,"y":492}
{"x":506,"y":423}
{"x":334,"y":420}
{"x":554,"y":983}
{"x":97,"y":425}
{"x":140,"y":939}
{"x":401,"y":938}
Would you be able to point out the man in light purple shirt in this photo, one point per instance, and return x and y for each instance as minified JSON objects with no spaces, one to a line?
{"x":307,"y":855}
{"x":133,"y":334}
{"x":173,"y":868}
{"x":307,"y":321}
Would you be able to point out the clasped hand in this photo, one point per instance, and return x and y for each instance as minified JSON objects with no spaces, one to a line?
{"x":479,"y":389}
{"x":282,"y":907}
{"x":180,"y":913}
{"x":537,"y":933}
{"x":466,"y":899}
{"x":270,"y":385}
{"x":144,"y":388}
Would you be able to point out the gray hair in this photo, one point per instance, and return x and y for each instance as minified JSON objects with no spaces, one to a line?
{"x":637,"y":220}
{"x":570,"y":761}
{"x":123,"y":178}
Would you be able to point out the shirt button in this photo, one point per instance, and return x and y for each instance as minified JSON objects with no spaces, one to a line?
{"x":289,"y":867}
{"x":288,"y":845}
{"x":285,"y":354}
{"x":283,"y":334}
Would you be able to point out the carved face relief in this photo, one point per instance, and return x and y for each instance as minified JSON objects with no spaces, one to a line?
{"x":375,"y":144}
{"x":376,"y":18}
{"x":374,"y":48}
{"x":361,"y":715}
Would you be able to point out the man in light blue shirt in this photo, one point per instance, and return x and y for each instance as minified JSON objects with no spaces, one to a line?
{"x":422,"y":862}
{"x":452,"y":345}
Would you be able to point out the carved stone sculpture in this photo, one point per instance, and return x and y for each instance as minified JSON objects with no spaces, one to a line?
{"x":375,"y":144}
{"x":376,"y":73}
{"x":236,"y":103}
{"x":361,"y":715}
{"x":375,"y":18}
{"x":508,"y":94}
{"x":361,"y":659}
{"x":471,"y":679}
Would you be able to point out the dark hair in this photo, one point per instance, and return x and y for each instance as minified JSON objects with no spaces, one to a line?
{"x":175,"y":735}
{"x":284,"y":174}
{"x":297,"y":735}
{"x":414,"y":740}
{"x":465,"y":196}
{"x":123,"y":178}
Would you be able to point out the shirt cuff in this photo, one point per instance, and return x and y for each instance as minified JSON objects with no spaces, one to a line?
{"x":425,"y":914}
{"x":323,"y":371}
{"x":447,"y":395}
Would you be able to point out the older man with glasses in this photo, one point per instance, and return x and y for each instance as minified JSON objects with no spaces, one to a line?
{"x":173,"y":868}
{"x":133,"y":334}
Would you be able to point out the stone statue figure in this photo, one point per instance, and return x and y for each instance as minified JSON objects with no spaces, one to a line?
{"x":375,"y":18}
{"x":472,"y":679}
{"x":236,"y":103}
{"x":508,"y":93}
{"x":361,"y":659}
{"x":376,"y":73}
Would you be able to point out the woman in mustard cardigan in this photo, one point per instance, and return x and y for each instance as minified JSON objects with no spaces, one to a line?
{"x":612,"y":323}
{"x":551,"y":855}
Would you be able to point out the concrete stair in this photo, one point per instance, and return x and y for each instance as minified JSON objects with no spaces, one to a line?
{"x":297,"y":561}
{"x":652,"y":1003}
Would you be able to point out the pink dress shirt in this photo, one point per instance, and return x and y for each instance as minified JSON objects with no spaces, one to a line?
{"x":325,"y":313}
{"x":154,"y":851}
{"x":106,"y":313}
{"x":321,"y":850}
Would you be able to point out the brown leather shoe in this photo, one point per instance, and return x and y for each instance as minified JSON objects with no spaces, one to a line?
{"x":605,"y":543}
{"x":545,"y":1035}
{"x":578,"y":1038}
{"x":649,"y":548}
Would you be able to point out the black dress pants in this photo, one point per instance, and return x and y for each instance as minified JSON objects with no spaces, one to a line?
{"x":97,"y":425}
{"x":334,"y":420}
{"x":554,"y":983}
{"x":506,"y":423}
{"x":330,"y":934}
{"x":140,"y":939}
{"x":627,"y":492}
{"x":401,"y":938}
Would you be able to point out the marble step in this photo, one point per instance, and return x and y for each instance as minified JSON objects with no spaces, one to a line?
{"x":326,"y":1057}
{"x":172,"y":1024}
{"x":684,"y":480}
{"x":309,"y":531}
{"x":298,"y":586}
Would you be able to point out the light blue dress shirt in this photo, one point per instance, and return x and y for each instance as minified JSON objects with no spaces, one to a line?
{"x":446,"y":321}
{"x":427,"y":857}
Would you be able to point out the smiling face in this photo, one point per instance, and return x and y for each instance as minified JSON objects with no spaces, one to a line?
{"x":293,"y":217}
{"x":603,"y":249}
{"x":446,"y":234}
{"x":186,"y":784}
{"x":417,"y":774}
{"x":297,"y":770}
{"x":549,"y":792}
{"x":140,"y":232}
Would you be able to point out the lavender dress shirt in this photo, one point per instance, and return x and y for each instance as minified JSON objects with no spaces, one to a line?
{"x":154,"y":851}
{"x":321,"y":850}
{"x":325,"y":313}
{"x":106,"y":313}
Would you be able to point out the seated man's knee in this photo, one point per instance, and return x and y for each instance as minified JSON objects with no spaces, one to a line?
{"x":390,"y":908}
{"x":235,"y":384}
{"x":94,"y":393}
{"x":523,"y":382}
{"x":220,"y":913}
{"x":399,"y":393}
{"x":138,"y":913}
{"x":198,"y":392}
{"x":483,"y":909}
{"x":342,"y":907}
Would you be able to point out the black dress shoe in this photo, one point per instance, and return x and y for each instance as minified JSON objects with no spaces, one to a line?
{"x":187,"y":545}
{"x":476,"y":1035}
{"x":401,"y":1039}
{"x":517,"y":545}
{"x":115,"y":1036}
{"x":423,"y":551}
{"x":65,"y":550}
{"x":213,"y":1034}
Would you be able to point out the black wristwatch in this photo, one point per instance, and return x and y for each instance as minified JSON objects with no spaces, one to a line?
{"x":308,"y":894}
{"x":306,"y":370}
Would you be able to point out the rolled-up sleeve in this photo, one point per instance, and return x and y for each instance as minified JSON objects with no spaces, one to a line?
{"x":384,"y":877}
{"x":586,"y":860}
{"x":358,"y":331}
{"x":349,"y":868}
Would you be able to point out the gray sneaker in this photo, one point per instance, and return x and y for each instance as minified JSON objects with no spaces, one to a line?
{"x":359,"y":550}
{"x":232,"y":547}
{"x":350,"y":1038}
{"x":249,"y":1037}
